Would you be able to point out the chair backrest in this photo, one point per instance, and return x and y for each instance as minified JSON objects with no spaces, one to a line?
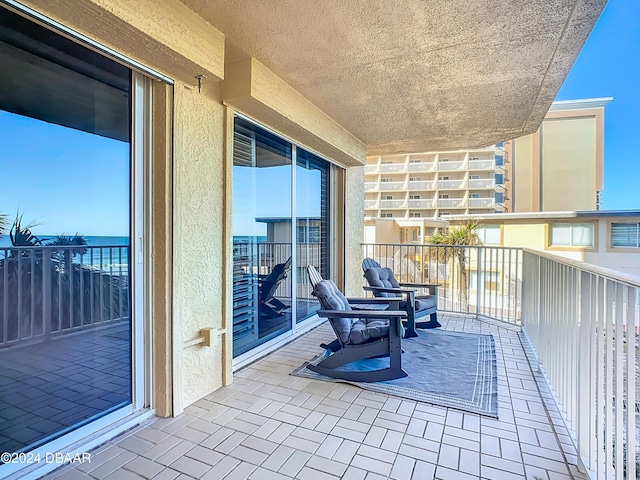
{"x":381,"y":277}
{"x":332,"y":299}
{"x":368,"y":263}
{"x":271,"y":282}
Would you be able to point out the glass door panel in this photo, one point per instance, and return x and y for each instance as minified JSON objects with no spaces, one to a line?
{"x":312,"y":231}
{"x":262,"y":253}
{"x":65,"y":310}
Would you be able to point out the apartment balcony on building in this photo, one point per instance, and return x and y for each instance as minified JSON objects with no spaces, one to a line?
{"x":482,"y":164}
{"x":421,"y":203}
{"x":451,"y":165}
{"x":390,"y":186}
{"x":392,"y":203}
{"x":452,"y":203}
{"x":371,"y":204}
{"x":392,"y":168}
{"x":371,"y":169}
{"x":371,"y":186}
{"x":422,"y":184}
{"x":477,"y":202}
{"x":482,"y":183}
{"x":457,"y":184}
{"x":421,"y":167}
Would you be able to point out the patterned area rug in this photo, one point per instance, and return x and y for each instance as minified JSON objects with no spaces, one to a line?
{"x":450,"y":369}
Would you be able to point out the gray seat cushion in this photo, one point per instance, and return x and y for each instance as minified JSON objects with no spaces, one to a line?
{"x":349,"y":330}
{"x":363,"y":330}
{"x":426,"y":302}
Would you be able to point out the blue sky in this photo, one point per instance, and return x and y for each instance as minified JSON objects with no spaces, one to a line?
{"x":609,"y":66}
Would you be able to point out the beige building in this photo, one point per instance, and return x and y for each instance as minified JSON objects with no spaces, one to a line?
{"x":607,"y":238}
{"x":557,"y":168}
{"x":215,"y":114}
{"x":560,"y":166}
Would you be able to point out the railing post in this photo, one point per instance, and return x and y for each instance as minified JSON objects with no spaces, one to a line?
{"x":584,"y":435}
{"x":46,"y":293}
{"x":478,"y":281}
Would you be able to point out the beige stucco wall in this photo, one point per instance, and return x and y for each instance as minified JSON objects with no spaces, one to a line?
{"x":353,"y":228}
{"x":521,"y":181}
{"x":626,"y":260}
{"x":568,"y":164}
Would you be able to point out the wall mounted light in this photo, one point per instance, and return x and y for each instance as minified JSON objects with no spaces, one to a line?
{"x":200,"y":78}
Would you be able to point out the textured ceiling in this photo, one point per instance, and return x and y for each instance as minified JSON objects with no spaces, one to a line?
{"x":414,"y":75}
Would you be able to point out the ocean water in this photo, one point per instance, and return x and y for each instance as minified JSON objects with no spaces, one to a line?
{"x":108,"y":254}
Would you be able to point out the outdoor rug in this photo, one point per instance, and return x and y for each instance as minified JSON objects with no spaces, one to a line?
{"x":450,"y":369}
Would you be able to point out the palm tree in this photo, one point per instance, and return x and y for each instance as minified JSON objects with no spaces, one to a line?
{"x":454,"y":240}
{"x":4,"y":223}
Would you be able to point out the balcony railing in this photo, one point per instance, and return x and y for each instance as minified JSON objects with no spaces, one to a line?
{"x":451,"y":166}
{"x":421,"y":203}
{"x":392,"y":168}
{"x":452,"y":203}
{"x":582,"y":323}
{"x":370,"y":186}
{"x":370,"y":169}
{"x":392,"y":204}
{"x":48,"y":291}
{"x":422,"y":185}
{"x":451,"y":184}
{"x":370,"y":204}
{"x":421,"y":167}
{"x":482,"y":165}
{"x":482,"y":202}
{"x":482,"y":183}
{"x":391,"y":185}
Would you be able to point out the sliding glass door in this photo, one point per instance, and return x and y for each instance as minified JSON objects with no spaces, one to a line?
{"x":271,"y":251}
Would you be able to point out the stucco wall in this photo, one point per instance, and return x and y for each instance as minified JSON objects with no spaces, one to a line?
{"x":568,"y":164}
{"x":353,"y":230}
{"x":521,"y":171}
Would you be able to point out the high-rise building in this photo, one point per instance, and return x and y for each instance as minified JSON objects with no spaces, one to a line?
{"x":559,"y":167}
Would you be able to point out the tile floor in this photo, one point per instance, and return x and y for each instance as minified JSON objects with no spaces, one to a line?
{"x":270,"y":425}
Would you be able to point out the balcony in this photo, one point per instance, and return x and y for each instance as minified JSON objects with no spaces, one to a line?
{"x":482,"y":164}
{"x":421,"y":203}
{"x":563,"y":334}
{"x":392,"y":204}
{"x":422,"y":185}
{"x":422,"y":167}
{"x":482,"y":202}
{"x":451,"y":184}
{"x":370,"y":204}
{"x":452,"y":203}
{"x":391,"y":186}
{"x":481,"y":183}
{"x":370,"y":169}
{"x":392,"y":168}
{"x":370,"y":186}
{"x":451,"y":166}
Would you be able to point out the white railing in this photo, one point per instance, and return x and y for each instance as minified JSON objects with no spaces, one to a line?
{"x":370,"y":169}
{"x":392,"y":168}
{"x":392,"y":203}
{"x":421,"y":203}
{"x":584,"y":326}
{"x":472,"y":279}
{"x":370,"y":204}
{"x":482,"y":164}
{"x":422,"y":185}
{"x":421,"y":167}
{"x":370,"y":186}
{"x":391,"y":185}
{"x":50,"y":290}
{"x":454,"y":184}
{"x":451,"y":166}
{"x":452,"y":203}
{"x":482,"y":183}
{"x":481,"y":202}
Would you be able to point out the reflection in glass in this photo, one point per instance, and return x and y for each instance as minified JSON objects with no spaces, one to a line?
{"x":65,"y":348}
{"x":261,"y":236}
{"x":311,"y":226}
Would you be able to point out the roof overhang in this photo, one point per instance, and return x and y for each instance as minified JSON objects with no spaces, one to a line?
{"x":414,"y":75}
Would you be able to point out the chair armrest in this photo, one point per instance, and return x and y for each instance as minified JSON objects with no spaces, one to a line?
{"x":376,"y":300}
{"x":361,"y":314}
{"x":420,"y":285}
{"x":400,"y":291}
